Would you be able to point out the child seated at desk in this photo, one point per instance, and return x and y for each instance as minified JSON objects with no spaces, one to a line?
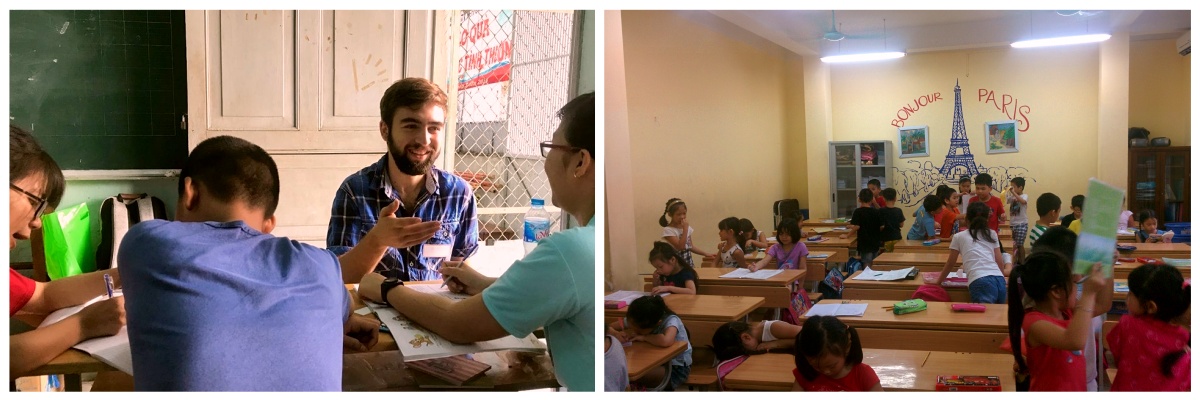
{"x":829,"y":358}
{"x":1148,"y":229}
{"x":732,"y":243}
{"x":736,"y":339}
{"x":616,"y":372}
{"x":671,"y":273}
{"x":789,"y":252}
{"x":650,"y":320}
{"x":755,"y":239}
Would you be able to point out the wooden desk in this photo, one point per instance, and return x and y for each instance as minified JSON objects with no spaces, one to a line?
{"x":915,"y":246}
{"x":701,"y":314}
{"x":776,"y":291}
{"x":833,"y":243}
{"x":935,"y":329}
{"x":824,"y":223}
{"x":898,"y":370}
{"x":926,"y":262}
{"x":893,"y":291}
{"x":1159,"y":250}
{"x":509,"y":371}
{"x":641,"y":357}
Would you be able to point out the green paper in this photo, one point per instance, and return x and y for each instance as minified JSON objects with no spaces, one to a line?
{"x":1098,"y":237}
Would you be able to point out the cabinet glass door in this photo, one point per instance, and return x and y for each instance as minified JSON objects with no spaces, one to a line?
{"x":1144,"y":184}
{"x":845,"y":179}
{"x":1175,"y":190}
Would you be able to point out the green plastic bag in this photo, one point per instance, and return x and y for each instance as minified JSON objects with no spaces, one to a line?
{"x":67,"y":238}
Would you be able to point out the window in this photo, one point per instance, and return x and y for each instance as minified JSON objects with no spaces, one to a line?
{"x":515,"y":70}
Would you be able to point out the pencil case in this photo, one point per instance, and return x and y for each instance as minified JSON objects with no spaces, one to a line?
{"x":968,"y":307}
{"x":909,"y":306}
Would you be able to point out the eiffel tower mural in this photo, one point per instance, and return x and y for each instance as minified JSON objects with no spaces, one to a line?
{"x":959,"y":160}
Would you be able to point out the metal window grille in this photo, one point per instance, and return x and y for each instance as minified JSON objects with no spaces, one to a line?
{"x":514,"y":71}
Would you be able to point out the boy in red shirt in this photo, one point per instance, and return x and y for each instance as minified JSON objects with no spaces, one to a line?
{"x":876,"y":186}
{"x":983,"y":194}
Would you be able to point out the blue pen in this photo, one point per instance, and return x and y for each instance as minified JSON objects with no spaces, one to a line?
{"x":108,"y":285}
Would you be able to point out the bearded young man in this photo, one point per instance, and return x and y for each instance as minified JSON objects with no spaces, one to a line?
{"x":386,"y":215}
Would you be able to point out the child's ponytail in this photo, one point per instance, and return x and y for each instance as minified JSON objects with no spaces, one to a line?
{"x":1016,"y":316}
{"x":734,"y":224}
{"x":977,"y":222}
{"x":670,"y":209}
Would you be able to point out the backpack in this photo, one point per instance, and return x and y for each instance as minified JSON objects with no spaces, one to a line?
{"x":727,"y":366}
{"x":798,"y":305}
{"x":115,"y":221}
{"x":831,"y":286}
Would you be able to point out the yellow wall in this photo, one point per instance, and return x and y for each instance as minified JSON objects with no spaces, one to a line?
{"x":1059,"y":85}
{"x":1160,"y":90}
{"x":707,"y":124}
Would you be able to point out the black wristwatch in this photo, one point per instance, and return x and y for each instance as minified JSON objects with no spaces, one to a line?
{"x":386,"y":286}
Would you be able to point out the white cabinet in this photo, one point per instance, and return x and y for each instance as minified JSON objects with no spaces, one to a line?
{"x":305,"y":85}
{"x":852,"y":165}
{"x":301,"y":81}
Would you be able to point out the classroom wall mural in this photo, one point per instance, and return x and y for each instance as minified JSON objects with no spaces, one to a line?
{"x":916,"y":179}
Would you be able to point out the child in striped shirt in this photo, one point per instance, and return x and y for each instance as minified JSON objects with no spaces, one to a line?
{"x":1048,"y":206}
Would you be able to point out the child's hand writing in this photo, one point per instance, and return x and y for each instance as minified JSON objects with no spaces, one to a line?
{"x":660,"y":289}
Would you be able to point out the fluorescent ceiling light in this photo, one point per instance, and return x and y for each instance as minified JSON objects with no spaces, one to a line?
{"x":862,"y":57}
{"x":1058,"y":41}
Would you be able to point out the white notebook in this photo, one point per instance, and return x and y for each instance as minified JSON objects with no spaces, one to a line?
{"x":744,"y":273}
{"x":838,"y":310}
{"x":112,"y":350}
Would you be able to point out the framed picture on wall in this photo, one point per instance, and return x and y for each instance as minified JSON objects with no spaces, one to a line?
{"x":1001,"y":136}
{"x":914,"y":141}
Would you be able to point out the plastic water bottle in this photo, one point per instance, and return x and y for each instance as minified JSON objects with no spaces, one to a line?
{"x":537,"y":224}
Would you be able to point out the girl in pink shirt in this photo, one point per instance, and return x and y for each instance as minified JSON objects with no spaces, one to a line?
{"x":1057,"y":327}
{"x":829,"y":359}
{"x":1150,"y":344}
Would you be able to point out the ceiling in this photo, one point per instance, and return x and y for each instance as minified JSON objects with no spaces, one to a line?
{"x":801,"y":31}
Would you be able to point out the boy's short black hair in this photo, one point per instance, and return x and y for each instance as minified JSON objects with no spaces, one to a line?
{"x":875,"y":182}
{"x":1057,"y":239}
{"x":231,"y":169}
{"x":865,"y":196}
{"x":888,"y":194}
{"x":983,"y":179}
{"x":932,"y":203}
{"x":1048,"y":202}
{"x":964,"y":179}
{"x":1018,"y":182}
{"x":1077,"y":201}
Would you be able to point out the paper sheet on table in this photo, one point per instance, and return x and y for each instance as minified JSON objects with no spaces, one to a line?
{"x":1178,"y":262}
{"x":838,"y":310}
{"x":417,"y":343}
{"x":869,"y":274}
{"x":112,"y":350}
{"x":628,"y":296}
{"x":744,"y":273}
{"x":818,"y":255}
{"x":822,"y":230}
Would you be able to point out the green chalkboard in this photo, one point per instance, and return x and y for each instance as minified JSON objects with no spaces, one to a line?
{"x":100,"y":89}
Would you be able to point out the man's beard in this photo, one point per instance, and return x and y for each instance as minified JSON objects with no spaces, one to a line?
{"x":407,"y":166}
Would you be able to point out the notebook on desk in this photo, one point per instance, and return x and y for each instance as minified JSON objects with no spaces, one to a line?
{"x":112,"y":350}
{"x":838,"y":310}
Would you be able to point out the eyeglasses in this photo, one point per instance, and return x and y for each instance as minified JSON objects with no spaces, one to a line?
{"x":40,"y":202}
{"x":547,"y":145}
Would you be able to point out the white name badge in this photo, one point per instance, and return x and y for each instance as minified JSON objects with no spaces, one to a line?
{"x":437,"y":250}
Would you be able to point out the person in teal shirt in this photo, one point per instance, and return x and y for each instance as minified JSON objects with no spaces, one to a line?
{"x":553,"y":287}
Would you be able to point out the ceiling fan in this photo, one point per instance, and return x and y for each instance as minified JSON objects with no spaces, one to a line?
{"x":834,"y":35}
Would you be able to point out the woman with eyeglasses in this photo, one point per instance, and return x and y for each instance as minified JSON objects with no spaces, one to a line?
{"x":552,"y":287}
{"x":36,"y":183}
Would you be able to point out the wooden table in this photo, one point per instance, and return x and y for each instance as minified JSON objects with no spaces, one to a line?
{"x":775,"y":291}
{"x":898,"y":370}
{"x":641,"y":357}
{"x":926,"y":262}
{"x":510,"y":370}
{"x":1158,"y":250}
{"x":832,"y":243}
{"x":702,"y":314}
{"x":824,"y":223}
{"x":893,"y":290}
{"x":915,"y":246}
{"x":935,"y":329}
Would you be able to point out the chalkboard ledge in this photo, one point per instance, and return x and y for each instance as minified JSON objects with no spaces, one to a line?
{"x":120,"y":174}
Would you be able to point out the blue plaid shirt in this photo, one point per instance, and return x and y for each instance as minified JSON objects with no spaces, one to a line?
{"x":446,"y":197}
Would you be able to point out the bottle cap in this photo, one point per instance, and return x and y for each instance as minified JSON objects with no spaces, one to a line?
{"x":537,"y":202}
